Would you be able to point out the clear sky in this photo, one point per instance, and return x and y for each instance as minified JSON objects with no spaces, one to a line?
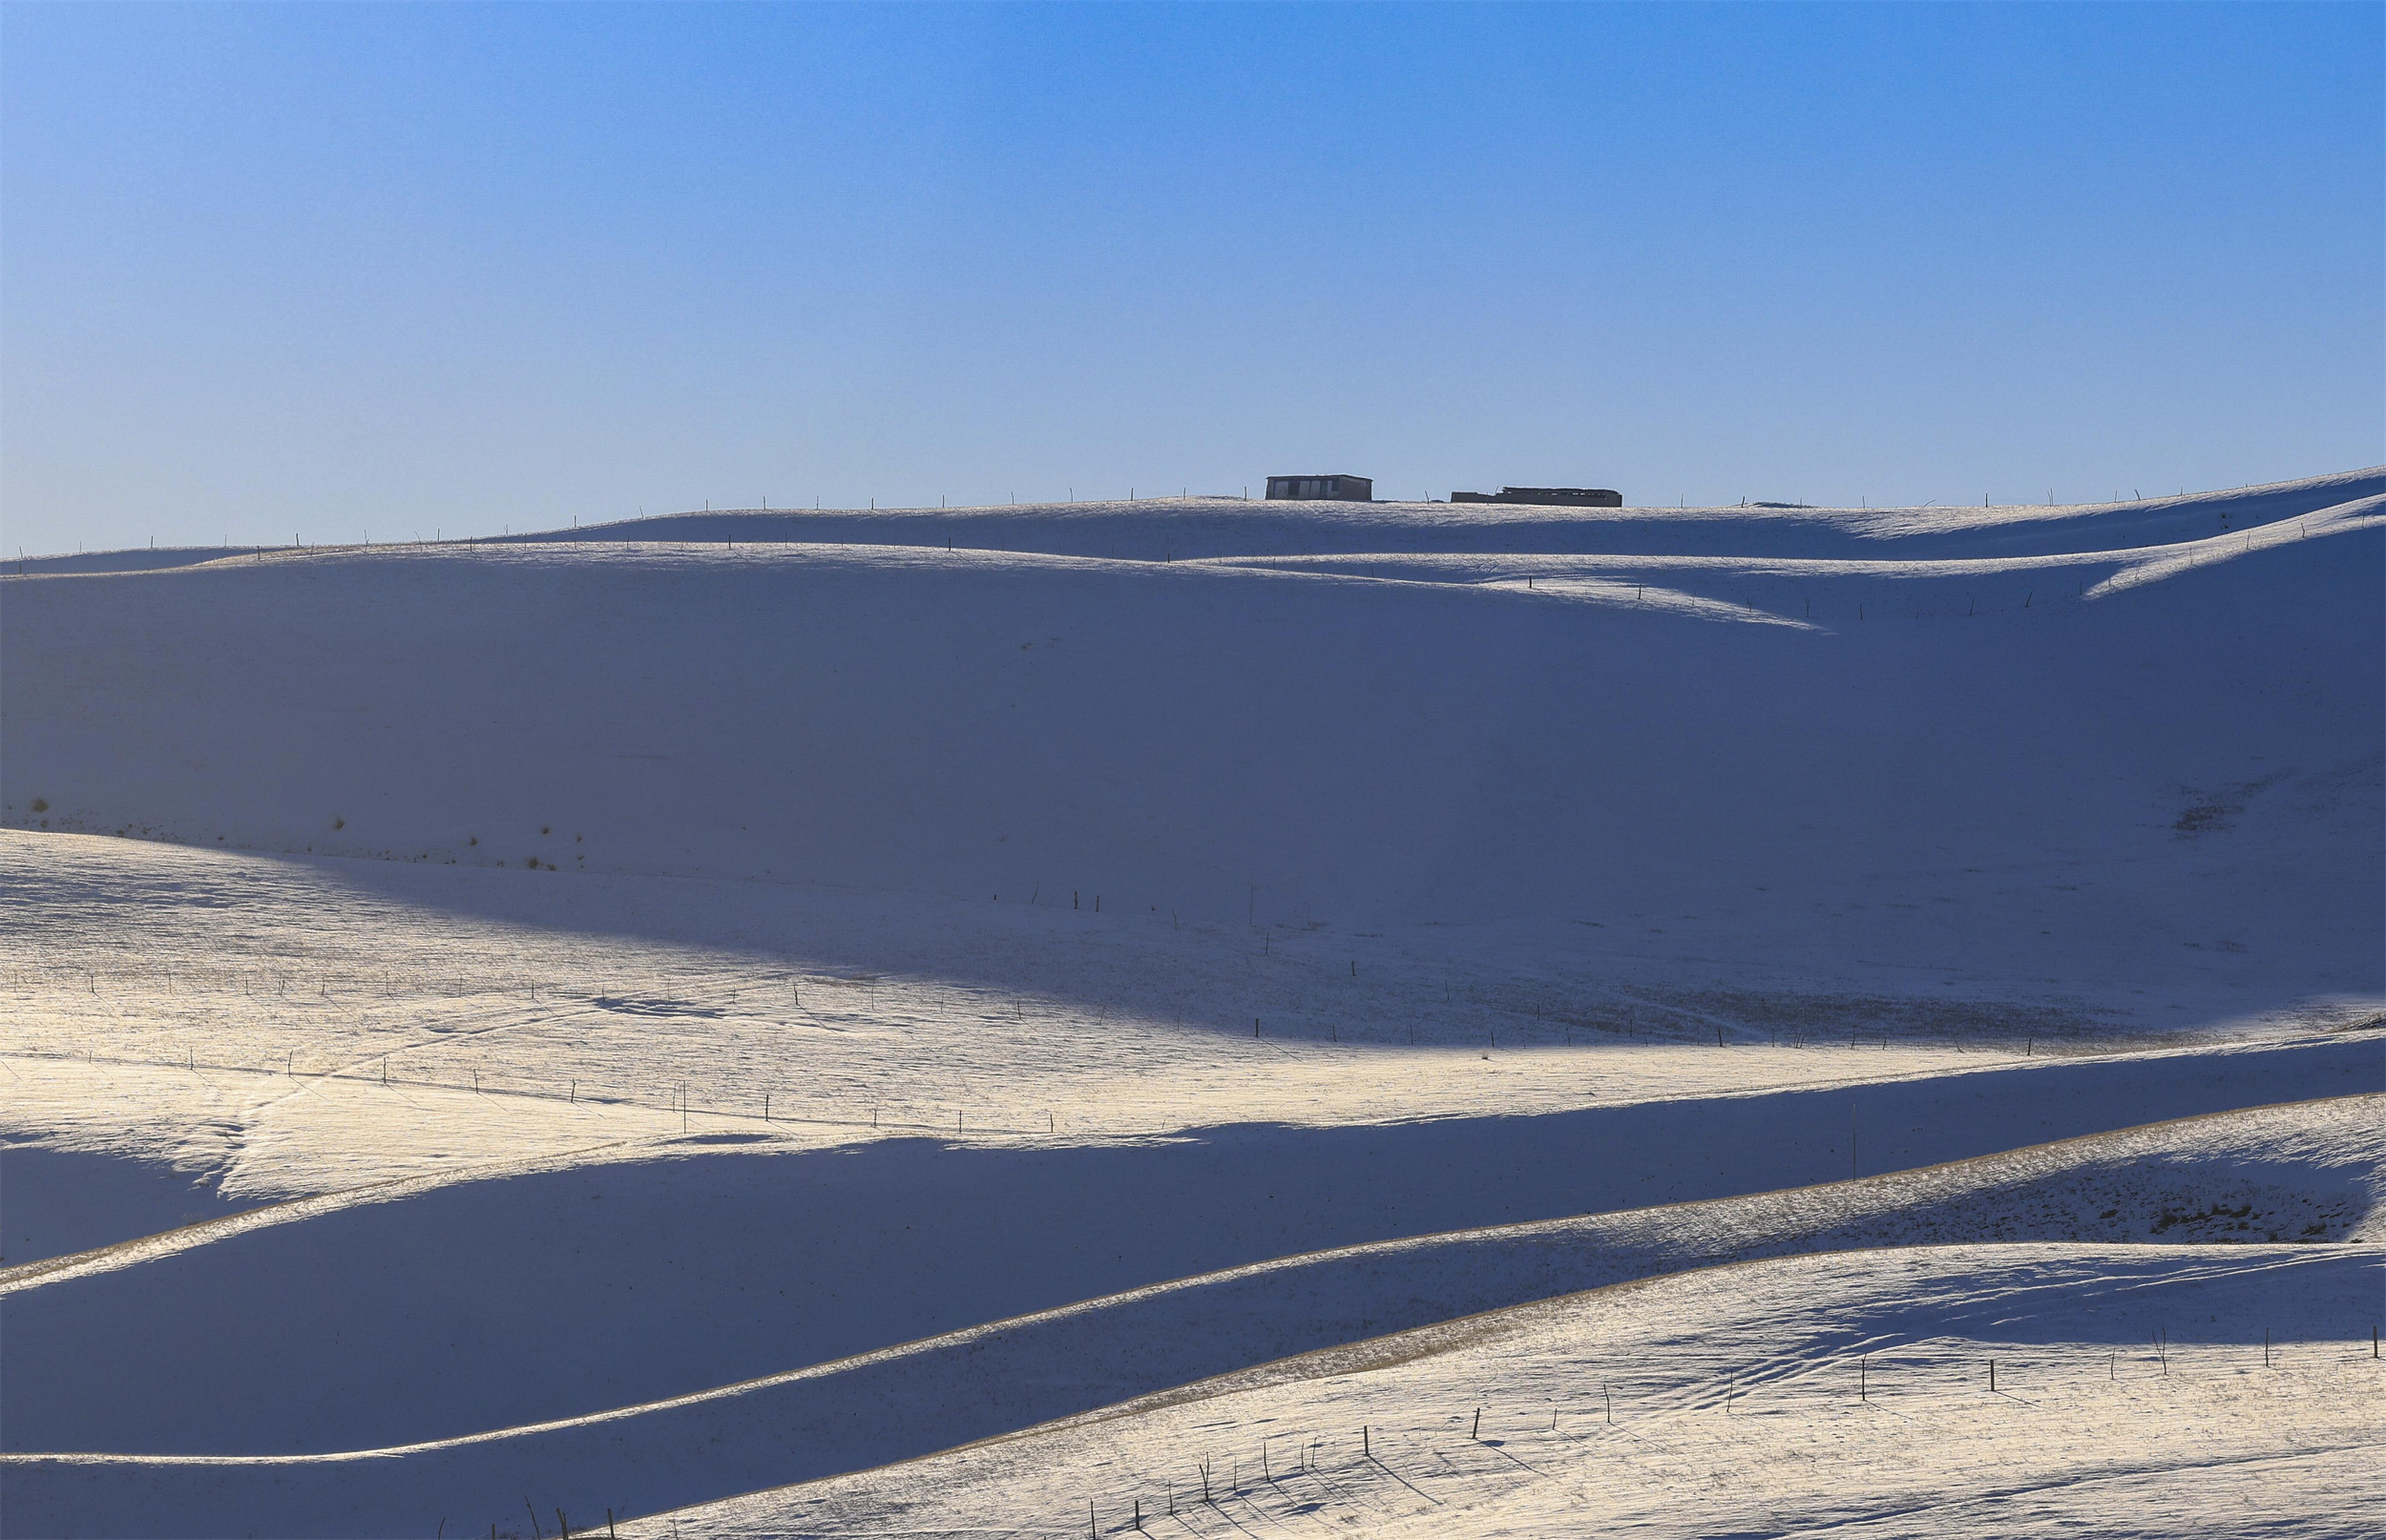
{"x":320,"y":269}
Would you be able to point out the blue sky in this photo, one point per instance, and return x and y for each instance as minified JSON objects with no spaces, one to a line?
{"x":315,"y":270}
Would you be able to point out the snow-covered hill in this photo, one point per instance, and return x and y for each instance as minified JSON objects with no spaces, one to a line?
{"x":2066,"y":781}
{"x":632,"y":1015}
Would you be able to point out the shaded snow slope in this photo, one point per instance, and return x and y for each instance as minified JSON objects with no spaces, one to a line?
{"x":96,"y":1350}
{"x":2173,"y":770}
{"x":57,"y":1201}
{"x":1784,"y":1334}
{"x":1844,"y":1394}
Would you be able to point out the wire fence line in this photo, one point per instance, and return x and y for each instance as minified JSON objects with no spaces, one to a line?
{"x":1509,"y":1015}
{"x":1293,"y":1475}
{"x":770,"y":1109}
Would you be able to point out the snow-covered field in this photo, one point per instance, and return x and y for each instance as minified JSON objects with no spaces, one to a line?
{"x":1031,"y":1000}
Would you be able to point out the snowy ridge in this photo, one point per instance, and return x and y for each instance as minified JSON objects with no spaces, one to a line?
{"x":1754,"y":587}
{"x":1187,"y":528}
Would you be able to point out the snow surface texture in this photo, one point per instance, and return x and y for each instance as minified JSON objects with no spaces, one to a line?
{"x":635,"y":1015}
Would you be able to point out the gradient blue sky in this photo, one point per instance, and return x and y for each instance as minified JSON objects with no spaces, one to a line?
{"x":318,"y":269}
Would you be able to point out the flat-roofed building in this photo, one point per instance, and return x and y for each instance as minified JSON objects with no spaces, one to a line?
{"x":1326,"y":489}
{"x":1558,"y":496}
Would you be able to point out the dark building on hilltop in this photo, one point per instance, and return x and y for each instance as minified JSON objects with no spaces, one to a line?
{"x":1558,"y":496}
{"x":1330,"y":488}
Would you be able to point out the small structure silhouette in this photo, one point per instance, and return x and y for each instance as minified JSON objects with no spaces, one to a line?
{"x":1326,"y":489}
{"x":1559,"y":496}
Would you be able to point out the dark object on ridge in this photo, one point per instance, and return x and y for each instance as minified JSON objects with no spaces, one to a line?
{"x":1781,"y":505}
{"x":1562,"y":496}
{"x":1321,"y":489}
